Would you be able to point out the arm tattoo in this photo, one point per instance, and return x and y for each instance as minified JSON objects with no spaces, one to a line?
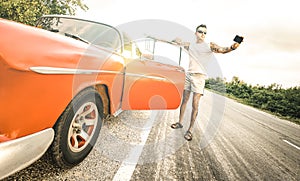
{"x":218,"y":49}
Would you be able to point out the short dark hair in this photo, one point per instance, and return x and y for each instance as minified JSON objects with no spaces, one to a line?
{"x":202,"y":25}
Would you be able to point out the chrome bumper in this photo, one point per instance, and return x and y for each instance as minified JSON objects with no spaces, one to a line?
{"x":20,"y":153}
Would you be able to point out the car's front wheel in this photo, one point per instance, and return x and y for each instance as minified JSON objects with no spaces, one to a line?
{"x":77,"y":129}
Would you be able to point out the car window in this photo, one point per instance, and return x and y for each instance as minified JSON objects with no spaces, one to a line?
{"x":184,"y":61}
{"x":108,"y":38}
{"x":146,"y":48}
{"x":159,"y":51}
{"x":88,"y":31}
{"x":131,"y":50}
{"x":155,"y":50}
{"x":167,"y":53}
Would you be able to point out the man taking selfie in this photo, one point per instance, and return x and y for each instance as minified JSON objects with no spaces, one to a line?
{"x":199,"y":52}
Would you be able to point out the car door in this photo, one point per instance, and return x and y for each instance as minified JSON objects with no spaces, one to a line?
{"x":155,"y":80}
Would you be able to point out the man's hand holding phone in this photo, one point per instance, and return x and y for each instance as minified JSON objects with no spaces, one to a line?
{"x":238,"y":39}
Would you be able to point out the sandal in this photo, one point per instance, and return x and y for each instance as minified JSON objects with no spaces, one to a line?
{"x":188,"y":136}
{"x":176,"y":125}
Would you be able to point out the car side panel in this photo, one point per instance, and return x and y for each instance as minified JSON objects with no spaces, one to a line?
{"x":152,"y":85}
{"x":32,"y":101}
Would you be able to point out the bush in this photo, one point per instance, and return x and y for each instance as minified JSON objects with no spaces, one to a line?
{"x":284,"y":102}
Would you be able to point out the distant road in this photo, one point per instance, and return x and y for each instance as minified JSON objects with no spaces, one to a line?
{"x":231,"y":142}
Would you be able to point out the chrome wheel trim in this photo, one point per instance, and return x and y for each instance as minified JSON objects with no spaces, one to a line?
{"x":83,"y":126}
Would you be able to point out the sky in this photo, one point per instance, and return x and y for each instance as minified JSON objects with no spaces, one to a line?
{"x":269,"y":54}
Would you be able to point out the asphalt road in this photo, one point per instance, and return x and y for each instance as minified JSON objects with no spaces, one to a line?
{"x":230,"y":142}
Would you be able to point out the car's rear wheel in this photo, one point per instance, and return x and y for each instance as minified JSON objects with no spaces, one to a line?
{"x":77,"y":129}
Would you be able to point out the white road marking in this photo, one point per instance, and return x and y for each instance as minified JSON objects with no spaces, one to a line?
{"x":128,"y":165}
{"x":292,"y":144}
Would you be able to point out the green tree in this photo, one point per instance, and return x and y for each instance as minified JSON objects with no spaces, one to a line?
{"x":238,"y":88}
{"x":28,"y":12}
{"x":273,"y":98}
{"x":217,"y":84}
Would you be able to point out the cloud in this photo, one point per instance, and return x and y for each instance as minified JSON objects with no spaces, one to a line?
{"x":278,"y":38}
{"x":271,"y":30}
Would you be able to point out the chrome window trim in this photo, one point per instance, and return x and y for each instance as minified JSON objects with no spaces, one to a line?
{"x":58,"y":70}
{"x":69,"y":71}
{"x":146,"y":76}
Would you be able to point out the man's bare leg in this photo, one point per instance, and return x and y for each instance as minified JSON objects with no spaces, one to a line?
{"x":196,"y":98}
{"x":186,"y":96}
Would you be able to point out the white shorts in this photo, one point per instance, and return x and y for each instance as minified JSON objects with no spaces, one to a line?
{"x":195,"y":82}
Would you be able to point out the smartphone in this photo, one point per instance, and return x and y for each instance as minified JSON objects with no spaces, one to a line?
{"x":238,"y":39}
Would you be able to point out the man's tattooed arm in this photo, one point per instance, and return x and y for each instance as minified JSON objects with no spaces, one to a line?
{"x":218,"y":49}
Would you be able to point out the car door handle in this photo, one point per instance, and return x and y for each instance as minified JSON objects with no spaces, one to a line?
{"x":179,"y":69}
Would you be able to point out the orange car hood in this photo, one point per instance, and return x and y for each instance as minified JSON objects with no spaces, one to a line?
{"x":25,"y":46}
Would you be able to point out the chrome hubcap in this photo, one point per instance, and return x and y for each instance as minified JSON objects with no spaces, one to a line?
{"x":83,"y":126}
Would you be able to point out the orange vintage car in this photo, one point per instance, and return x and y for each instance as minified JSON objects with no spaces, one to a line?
{"x":61,"y":79}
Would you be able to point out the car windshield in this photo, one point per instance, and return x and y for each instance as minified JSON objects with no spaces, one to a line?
{"x":87,"y":31}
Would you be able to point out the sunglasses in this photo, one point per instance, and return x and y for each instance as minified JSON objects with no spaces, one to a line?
{"x":199,"y":31}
